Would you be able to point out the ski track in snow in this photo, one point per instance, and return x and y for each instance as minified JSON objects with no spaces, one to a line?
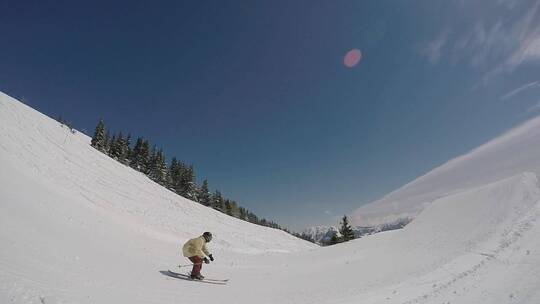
{"x":79,"y":227}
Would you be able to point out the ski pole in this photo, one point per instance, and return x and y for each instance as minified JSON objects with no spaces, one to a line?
{"x":188,"y":265}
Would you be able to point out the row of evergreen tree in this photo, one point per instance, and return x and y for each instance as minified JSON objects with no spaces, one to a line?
{"x":177,"y":176}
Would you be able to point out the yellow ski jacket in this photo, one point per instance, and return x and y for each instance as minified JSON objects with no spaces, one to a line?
{"x":195,"y":247}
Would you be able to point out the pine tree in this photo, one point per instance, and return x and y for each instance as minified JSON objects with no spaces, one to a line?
{"x":196,"y":193}
{"x":178,"y":171}
{"x":113,"y":147}
{"x":121,"y":148}
{"x":98,"y":141}
{"x":145,"y":157}
{"x":116,"y":146}
{"x":173,"y":174}
{"x":242,"y":214}
{"x":152,"y":168}
{"x":252,"y":218}
{"x":107,"y":142}
{"x":162,"y":176}
{"x":204,"y":194}
{"x":136,"y":155}
{"x":234,"y":209}
{"x":217,"y":201}
{"x":346,"y":231}
{"x":126,"y":150}
{"x":188,"y":188}
{"x":334,"y":239}
{"x":228,"y":207}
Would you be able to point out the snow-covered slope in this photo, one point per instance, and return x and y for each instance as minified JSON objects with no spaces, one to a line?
{"x":77,"y":227}
{"x":513,"y":152}
{"x":46,"y":154}
{"x":67,"y":208}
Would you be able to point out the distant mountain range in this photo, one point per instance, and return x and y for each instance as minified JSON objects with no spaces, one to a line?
{"x":323,"y":234}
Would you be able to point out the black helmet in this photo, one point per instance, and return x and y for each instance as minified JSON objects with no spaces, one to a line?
{"x":207,"y":236}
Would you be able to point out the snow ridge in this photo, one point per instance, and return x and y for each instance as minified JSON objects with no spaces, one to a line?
{"x":515,"y":151}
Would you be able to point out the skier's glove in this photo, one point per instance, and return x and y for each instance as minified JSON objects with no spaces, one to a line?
{"x":205,"y":260}
{"x":211,"y":258}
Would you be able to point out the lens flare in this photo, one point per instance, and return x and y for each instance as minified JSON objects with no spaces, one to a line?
{"x":352,"y":58}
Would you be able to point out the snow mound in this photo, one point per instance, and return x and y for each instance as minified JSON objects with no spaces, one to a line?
{"x":515,"y":151}
{"x":476,"y":246}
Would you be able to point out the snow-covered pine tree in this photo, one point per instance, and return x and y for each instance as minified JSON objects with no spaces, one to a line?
{"x":145,"y":156}
{"x":126,"y":150}
{"x":252,"y":218}
{"x":334,"y":239}
{"x":151,"y":169}
{"x":98,"y":141}
{"x":116,"y":146}
{"x":228,"y":207}
{"x":107,"y":143}
{"x":204,"y":194}
{"x":188,"y":188}
{"x":234,"y":209}
{"x":217,"y":201}
{"x":178,"y":173}
{"x":112,"y":146}
{"x":346,"y":231}
{"x":242,"y":214}
{"x":162,"y":176}
{"x":129,"y":151}
{"x":121,"y":149}
{"x":136,"y":154}
{"x":173,"y":174}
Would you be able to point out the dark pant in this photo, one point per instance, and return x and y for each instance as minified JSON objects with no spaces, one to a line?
{"x":197,"y":265}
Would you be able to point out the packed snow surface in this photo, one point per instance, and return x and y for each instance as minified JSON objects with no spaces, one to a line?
{"x":78,"y":227}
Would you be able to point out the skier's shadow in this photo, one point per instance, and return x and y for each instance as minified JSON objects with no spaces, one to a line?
{"x":175,"y":275}
{"x":167,"y":273}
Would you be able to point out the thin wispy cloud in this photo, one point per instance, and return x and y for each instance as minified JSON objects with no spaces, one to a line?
{"x":492,"y":46}
{"x":534,"y":108}
{"x":522,"y":88}
{"x":524,"y":37}
{"x":509,"y":3}
{"x":434,"y":48}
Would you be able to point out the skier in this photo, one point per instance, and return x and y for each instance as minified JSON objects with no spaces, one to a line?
{"x":195,"y":250}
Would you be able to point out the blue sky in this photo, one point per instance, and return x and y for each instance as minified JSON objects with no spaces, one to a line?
{"x":256,"y":95}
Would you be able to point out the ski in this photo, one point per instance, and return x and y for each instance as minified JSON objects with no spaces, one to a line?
{"x":188,"y":278}
{"x":208,"y":279}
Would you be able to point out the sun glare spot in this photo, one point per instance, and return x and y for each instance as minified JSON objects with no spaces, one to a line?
{"x":352,"y":58}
